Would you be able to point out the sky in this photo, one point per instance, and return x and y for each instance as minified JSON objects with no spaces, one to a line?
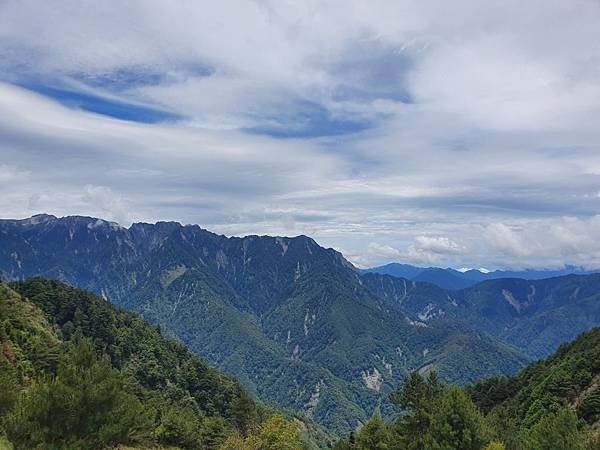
{"x":463,"y":134}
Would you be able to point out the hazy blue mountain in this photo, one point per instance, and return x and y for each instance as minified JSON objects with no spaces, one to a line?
{"x":449,"y":278}
{"x":293,"y":321}
{"x":397,"y":270}
{"x":444,"y":278}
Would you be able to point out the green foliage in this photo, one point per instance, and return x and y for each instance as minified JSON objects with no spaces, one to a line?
{"x":276,"y":433}
{"x":554,"y":431}
{"x":78,"y":373}
{"x":456,"y":423}
{"x":154,"y":362}
{"x":418,"y":399}
{"x":375,"y":435}
{"x":589,"y":408}
{"x":8,"y":385}
{"x":179,"y":426}
{"x":434,"y":417}
{"x":568,"y":378}
{"x":84,"y":406}
{"x":495,"y":446}
{"x":550,"y":405}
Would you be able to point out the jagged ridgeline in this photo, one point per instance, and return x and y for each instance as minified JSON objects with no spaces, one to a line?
{"x":76,"y":372}
{"x":293,"y":321}
{"x":550,"y":405}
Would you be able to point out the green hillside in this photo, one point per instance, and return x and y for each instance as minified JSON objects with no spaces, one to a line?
{"x":292,"y":321}
{"x":551,"y":405}
{"x":569,"y":379}
{"x":78,"y":373}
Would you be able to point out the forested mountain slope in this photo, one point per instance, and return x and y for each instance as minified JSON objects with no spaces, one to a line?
{"x":553,"y":404}
{"x":570,"y":377}
{"x":295,"y":322}
{"x":535,"y":316}
{"x":291,"y":320}
{"x":78,"y":373}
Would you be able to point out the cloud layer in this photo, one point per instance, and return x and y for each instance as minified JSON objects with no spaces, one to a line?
{"x":429,"y":132}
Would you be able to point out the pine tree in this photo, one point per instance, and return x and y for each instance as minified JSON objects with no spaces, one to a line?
{"x":456,"y":423}
{"x":84,"y":406}
{"x":416,"y":398}
{"x":555,"y":431}
{"x":375,"y":435}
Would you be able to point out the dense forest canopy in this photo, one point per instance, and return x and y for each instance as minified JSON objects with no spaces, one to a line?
{"x":551,"y":405}
{"x":75,"y":372}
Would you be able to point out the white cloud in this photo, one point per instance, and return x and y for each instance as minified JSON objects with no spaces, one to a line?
{"x":10,"y":175}
{"x":384,"y":251}
{"x":432,"y":249}
{"x":480,"y":122}
{"x":108,"y":202}
{"x":552,"y":242}
{"x":438,"y":244}
{"x":424,"y":250}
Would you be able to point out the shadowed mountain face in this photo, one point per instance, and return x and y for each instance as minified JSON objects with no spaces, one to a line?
{"x":295,"y":322}
{"x":535,"y":316}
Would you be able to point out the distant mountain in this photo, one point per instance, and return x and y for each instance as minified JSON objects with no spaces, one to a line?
{"x":294,"y":322}
{"x":448,"y":278}
{"x":535,"y":316}
{"x":397,"y":270}
{"x":445,"y":278}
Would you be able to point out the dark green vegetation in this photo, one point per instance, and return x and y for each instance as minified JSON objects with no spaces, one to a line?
{"x":288,"y":318}
{"x":551,"y":405}
{"x":294,"y":322}
{"x":534,"y":316}
{"x":75,"y":372}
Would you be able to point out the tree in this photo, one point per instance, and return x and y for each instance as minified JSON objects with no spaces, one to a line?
{"x":456,"y":423}
{"x":555,"y":431}
{"x":416,"y":397}
{"x":84,"y":406}
{"x":243,"y":412}
{"x":375,"y":435}
{"x":178,"y":426}
{"x":8,"y":384}
{"x":589,"y":409}
{"x":235,"y":442}
{"x":275,"y":433}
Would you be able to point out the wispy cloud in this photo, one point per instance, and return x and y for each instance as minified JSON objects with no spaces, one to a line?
{"x":454,"y":133}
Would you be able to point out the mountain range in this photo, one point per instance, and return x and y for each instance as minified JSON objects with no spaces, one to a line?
{"x":449,"y":278}
{"x":296,"y":323}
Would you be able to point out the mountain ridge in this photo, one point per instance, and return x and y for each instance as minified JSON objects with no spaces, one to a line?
{"x":295,"y":322}
{"x":453,"y":279}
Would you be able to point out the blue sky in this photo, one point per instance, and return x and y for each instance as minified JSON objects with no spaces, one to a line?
{"x":443,"y":133}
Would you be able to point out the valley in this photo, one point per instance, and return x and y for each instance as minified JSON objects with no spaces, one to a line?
{"x":296,"y":323}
